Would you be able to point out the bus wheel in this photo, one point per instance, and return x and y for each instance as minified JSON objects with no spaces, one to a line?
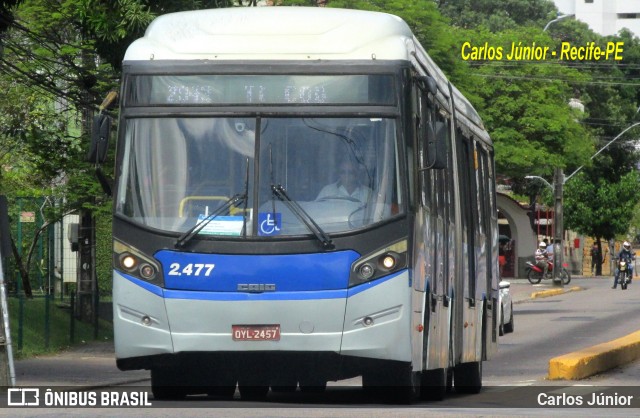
{"x":434,"y":384}
{"x":394,"y":382}
{"x":286,"y":384}
{"x":404,"y":384}
{"x":222,"y":387}
{"x":467,"y":377}
{"x":223,"y":392}
{"x":372,"y":384}
{"x":164,"y":385}
{"x":252,"y":392}
{"x":312,"y":385}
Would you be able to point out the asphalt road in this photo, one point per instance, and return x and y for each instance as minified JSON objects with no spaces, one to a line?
{"x":92,"y":366}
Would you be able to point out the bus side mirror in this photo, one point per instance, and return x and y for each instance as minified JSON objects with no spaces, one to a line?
{"x":428,"y":84}
{"x":437,"y":146}
{"x":100,"y":131}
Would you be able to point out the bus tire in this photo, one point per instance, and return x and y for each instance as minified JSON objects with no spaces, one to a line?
{"x":312,"y":385}
{"x":433,"y":384}
{"x":404,"y":384}
{"x":164,"y":385}
{"x":468,"y":377}
{"x":284,"y":386}
{"x":253,"y":392}
{"x":508,"y":327}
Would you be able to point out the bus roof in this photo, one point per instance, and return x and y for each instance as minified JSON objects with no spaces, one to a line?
{"x":289,"y":33}
{"x":278,"y":33}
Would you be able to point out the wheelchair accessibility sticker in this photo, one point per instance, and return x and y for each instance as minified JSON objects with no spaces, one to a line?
{"x":268,"y":225}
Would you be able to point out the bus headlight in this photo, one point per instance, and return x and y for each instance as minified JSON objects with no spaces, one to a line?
{"x":388,"y":261}
{"x":135,"y":263}
{"x":379,"y":263}
{"x":128,"y":261}
{"x":366,"y":271}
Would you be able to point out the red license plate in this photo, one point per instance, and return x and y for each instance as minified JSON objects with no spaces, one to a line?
{"x":255,"y":332}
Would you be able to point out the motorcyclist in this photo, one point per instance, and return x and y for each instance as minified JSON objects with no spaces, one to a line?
{"x":542,"y":257}
{"x":627,"y":255}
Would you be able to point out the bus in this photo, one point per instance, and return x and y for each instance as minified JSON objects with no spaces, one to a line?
{"x":300,"y":196}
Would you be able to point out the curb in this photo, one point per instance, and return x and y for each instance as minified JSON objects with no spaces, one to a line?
{"x":595,"y":359}
{"x":553,"y":292}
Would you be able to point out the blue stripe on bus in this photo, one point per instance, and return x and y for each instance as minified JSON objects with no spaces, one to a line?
{"x":239,"y":296}
{"x":287,"y":272}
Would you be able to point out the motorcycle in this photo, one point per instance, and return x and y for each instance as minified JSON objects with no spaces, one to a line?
{"x":624,"y":274}
{"x":535,"y":274}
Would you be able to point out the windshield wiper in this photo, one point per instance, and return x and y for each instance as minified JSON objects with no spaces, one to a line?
{"x":193,"y":231}
{"x":303,"y":216}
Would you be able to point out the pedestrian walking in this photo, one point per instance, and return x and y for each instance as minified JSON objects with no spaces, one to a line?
{"x":596,"y":259}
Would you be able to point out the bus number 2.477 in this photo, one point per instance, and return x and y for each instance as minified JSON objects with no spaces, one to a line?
{"x":191,"y":269}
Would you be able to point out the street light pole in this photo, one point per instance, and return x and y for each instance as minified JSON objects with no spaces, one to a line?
{"x":558,"y":228}
{"x":542,"y":179}
{"x":556,"y":20}
{"x":558,"y":249}
{"x":600,"y":150}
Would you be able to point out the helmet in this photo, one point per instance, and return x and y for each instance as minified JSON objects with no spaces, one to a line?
{"x":626,"y":245}
{"x":542,"y":245}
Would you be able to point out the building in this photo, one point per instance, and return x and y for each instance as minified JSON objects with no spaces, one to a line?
{"x":606,"y":17}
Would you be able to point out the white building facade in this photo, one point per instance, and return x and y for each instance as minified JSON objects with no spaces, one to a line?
{"x":606,"y":17}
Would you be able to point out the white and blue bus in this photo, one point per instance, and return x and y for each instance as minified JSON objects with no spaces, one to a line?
{"x":301,"y":196}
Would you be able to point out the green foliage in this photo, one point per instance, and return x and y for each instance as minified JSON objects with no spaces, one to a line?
{"x":35,"y":318}
{"x":104,"y":254}
{"x":599,"y":208}
{"x":112,"y":29}
{"x":498,"y":15}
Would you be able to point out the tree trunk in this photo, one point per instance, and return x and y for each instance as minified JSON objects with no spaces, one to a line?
{"x":24,"y":274}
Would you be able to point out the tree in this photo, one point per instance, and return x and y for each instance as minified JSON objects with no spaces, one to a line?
{"x":497,"y":15}
{"x":59,"y":60}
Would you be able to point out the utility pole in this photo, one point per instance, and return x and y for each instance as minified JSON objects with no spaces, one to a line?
{"x":7,"y":371}
{"x":558,"y":227}
{"x":86,"y":286}
{"x":86,"y":308}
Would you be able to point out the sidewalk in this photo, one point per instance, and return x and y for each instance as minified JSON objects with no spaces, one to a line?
{"x":90,"y":365}
{"x":521,"y":290}
{"x":589,"y":361}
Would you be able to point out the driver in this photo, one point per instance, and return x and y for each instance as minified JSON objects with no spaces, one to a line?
{"x":347,"y":186}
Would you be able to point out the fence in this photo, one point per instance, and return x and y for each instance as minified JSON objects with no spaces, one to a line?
{"x":48,"y":320}
{"x":45,"y":323}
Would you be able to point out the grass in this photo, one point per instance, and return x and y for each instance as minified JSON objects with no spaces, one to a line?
{"x":28,"y":326}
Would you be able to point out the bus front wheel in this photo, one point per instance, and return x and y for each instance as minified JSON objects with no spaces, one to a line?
{"x":467,"y":377}
{"x":164,"y":385}
{"x":434,"y":384}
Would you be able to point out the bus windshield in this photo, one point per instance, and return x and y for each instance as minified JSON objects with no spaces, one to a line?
{"x":340,"y":172}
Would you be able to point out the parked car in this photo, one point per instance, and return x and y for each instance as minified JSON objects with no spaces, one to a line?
{"x":506,"y":308}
